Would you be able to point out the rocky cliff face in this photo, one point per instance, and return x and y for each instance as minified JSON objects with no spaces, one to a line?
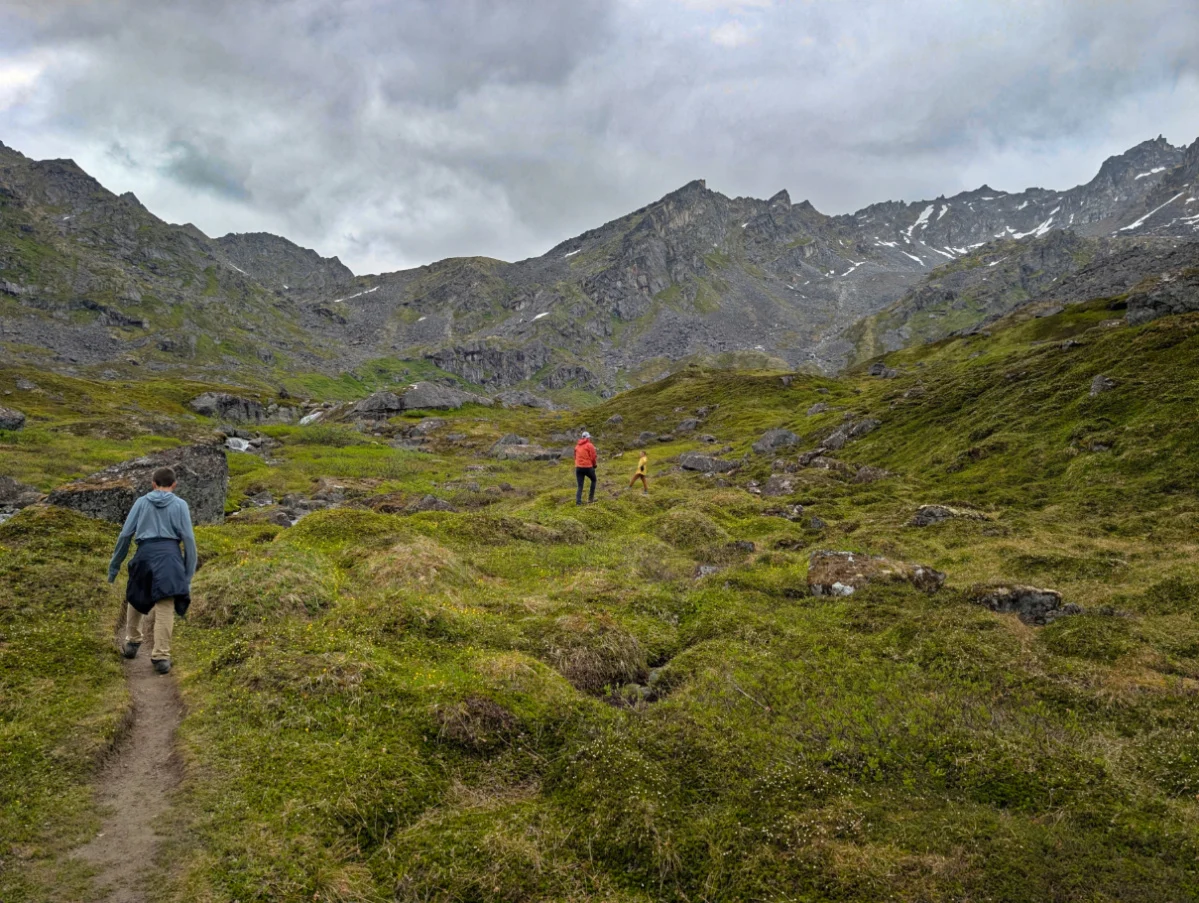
{"x":93,"y":278}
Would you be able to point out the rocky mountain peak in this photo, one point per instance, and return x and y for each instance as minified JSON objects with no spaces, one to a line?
{"x":282,"y":264}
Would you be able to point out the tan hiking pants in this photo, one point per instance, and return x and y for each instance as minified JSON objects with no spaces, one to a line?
{"x":163,"y":614}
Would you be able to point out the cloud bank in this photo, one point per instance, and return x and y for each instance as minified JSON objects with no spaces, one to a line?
{"x":396,"y":132}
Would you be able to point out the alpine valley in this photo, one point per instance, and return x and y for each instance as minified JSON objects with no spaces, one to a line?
{"x":93,"y":284}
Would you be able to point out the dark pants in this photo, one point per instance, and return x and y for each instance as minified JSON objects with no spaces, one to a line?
{"x":582,"y":473}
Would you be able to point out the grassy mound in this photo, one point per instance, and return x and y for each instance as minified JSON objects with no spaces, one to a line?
{"x":536,"y":702}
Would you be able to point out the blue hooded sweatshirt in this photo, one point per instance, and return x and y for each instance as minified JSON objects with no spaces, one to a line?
{"x":157,"y":515}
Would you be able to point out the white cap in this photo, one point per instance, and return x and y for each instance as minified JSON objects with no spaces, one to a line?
{"x":586,"y":435}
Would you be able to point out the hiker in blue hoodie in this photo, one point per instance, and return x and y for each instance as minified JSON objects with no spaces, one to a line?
{"x":160,"y":574}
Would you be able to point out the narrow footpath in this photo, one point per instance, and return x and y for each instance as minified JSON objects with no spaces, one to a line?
{"x":133,"y":788}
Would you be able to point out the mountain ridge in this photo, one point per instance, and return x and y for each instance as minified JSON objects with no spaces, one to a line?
{"x":695,"y":275}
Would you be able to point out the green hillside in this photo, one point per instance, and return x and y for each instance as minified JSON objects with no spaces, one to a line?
{"x":639,"y":699}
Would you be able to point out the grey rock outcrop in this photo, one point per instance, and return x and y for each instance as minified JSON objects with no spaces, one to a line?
{"x":1031,"y":604}
{"x":773,"y":440}
{"x":705,"y":463}
{"x":379,"y":406}
{"x":928,"y":515}
{"x":11,"y":419}
{"x":1101,"y":384}
{"x":227,"y":407}
{"x":523,"y":399}
{"x":431,"y":396}
{"x":202,"y":471}
{"x":14,"y":494}
{"x":843,"y":573}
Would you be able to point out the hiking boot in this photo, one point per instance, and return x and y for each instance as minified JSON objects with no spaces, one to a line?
{"x":130,"y":650}
{"x":162,"y":665}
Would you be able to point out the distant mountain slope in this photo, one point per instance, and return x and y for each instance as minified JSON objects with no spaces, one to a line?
{"x":89,"y":278}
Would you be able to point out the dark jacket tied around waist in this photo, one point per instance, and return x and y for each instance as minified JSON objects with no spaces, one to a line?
{"x":157,"y":572}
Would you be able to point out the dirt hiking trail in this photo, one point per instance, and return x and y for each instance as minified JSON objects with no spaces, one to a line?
{"x":133,"y":788}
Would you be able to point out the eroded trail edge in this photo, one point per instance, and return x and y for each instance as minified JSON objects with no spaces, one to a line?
{"x":133,"y":788}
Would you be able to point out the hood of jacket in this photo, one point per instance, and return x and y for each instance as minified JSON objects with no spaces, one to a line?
{"x":159,"y":498}
{"x":582,"y":442}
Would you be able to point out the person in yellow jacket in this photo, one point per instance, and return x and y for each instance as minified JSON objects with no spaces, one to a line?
{"x":642,"y":466}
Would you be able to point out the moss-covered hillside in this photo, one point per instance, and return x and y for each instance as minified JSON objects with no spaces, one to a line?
{"x":638,"y":699}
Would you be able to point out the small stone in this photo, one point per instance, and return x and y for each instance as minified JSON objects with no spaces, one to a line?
{"x":1101,"y":384}
{"x":818,"y":408}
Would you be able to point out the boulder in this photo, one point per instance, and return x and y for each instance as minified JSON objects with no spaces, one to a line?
{"x":882,"y":371}
{"x":426,"y":426}
{"x":379,"y":406}
{"x":843,"y":573}
{"x":512,"y":439}
{"x":11,"y":419}
{"x":823,"y":462}
{"x":1101,"y":384}
{"x":818,"y":408}
{"x":778,"y":485}
{"x":705,"y":463}
{"x":202,"y":471}
{"x":773,"y":440}
{"x":927,"y":515}
{"x":429,"y":503}
{"x":1030,"y":604}
{"x":432,"y":396}
{"x":646,"y":436}
{"x":227,"y":407}
{"x":16,"y":495}
{"x":614,"y":420}
{"x":518,"y":398}
{"x":689,"y":425}
{"x":849,"y":431}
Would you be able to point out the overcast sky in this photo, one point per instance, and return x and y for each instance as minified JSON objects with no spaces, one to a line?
{"x":396,"y":132}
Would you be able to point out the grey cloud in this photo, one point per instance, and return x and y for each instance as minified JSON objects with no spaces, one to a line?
{"x":394,"y":133}
{"x":207,"y":172}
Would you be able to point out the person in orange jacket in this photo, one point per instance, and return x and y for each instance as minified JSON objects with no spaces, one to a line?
{"x":585,"y":461}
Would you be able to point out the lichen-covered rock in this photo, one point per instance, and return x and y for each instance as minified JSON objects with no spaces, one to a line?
{"x":773,"y":440}
{"x":432,"y":396}
{"x":11,"y":419}
{"x":379,"y":406}
{"x":927,"y":515}
{"x":518,"y":398}
{"x":202,"y":471}
{"x":705,"y":463}
{"x":227,"y":407}
{"x":429,"y":503}
{"x":818,"y":408}
{"x":1030,"y":604}
{"x":615,"y":420}
{"x":843,"y":573}
{"x":16,"y":495}
{"x":689,"y":425}
{"x":778,"y":485}
{"x":1101,"y":384}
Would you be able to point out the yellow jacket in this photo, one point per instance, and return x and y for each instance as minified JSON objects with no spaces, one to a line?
{"x":642,"y":464}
